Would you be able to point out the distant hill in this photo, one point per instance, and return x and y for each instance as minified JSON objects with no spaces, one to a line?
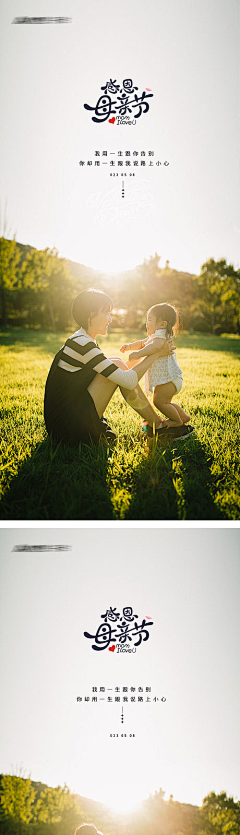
{"x":89,"y":276}
{"x":44,"y":294}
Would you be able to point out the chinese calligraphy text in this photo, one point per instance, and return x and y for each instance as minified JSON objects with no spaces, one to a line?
{"x":126,"y":630}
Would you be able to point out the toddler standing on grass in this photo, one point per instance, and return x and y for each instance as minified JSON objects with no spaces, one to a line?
{"x":164,"y":377}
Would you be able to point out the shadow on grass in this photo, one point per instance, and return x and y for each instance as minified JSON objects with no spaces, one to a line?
{"x":174,"y":483}
{"x":59,"y":482}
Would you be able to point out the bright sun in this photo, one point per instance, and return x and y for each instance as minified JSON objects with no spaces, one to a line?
{"x":124,"y":801}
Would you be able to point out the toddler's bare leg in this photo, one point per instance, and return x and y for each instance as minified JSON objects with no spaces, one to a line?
{"x":162,"y":400}
{"x":183,"y":415}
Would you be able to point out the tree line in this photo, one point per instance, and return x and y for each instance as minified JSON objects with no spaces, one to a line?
{"x":37,"y":288}
{"x":29,"y":808}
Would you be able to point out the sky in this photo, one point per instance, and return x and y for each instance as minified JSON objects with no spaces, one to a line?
{"x":187,"y":581}
{"x":187,"y":53}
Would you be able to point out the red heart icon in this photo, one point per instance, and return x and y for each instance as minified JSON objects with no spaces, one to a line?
{"x":112,"y":120}
{"x":111,"y":649}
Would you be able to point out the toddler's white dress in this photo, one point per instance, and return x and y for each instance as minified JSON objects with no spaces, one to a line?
{"x":163,"y":370}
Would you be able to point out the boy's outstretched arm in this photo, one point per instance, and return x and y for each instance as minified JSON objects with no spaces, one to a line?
{"x":149,"y":349}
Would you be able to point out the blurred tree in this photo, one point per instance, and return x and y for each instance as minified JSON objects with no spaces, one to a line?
{"x":9,"y":259}
{"x":149,"y":285}
{"x":38,"y":287}
{"x":231,"y":295}
{"x":39,"y":810}
{"x":161,"y":817}
{"x":148,"y":282}
{"x":48,"y":288}
{"x":218,"y":295}
{"x":57,"y":806}
{"x":17,"y":798}
{"x":220,"y":815}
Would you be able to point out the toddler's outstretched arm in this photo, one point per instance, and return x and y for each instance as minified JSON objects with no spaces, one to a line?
{"x":149,"y":349}
{"x":133,"y":345}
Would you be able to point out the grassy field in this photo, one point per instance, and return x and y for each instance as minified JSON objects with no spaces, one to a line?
{"x":197,"y":480}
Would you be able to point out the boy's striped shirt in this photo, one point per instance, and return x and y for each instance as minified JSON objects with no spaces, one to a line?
{"x":81,"y":354}
{"x":69,"y":409}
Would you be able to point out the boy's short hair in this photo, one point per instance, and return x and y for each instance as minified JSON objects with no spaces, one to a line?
{"x":89,"y":303}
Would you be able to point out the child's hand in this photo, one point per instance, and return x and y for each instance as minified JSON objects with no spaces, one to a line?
{"x":124,"y":348}
{"x":134,"y":355}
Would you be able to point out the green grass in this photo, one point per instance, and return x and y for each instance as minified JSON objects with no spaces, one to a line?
{"x":196,"y":481}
